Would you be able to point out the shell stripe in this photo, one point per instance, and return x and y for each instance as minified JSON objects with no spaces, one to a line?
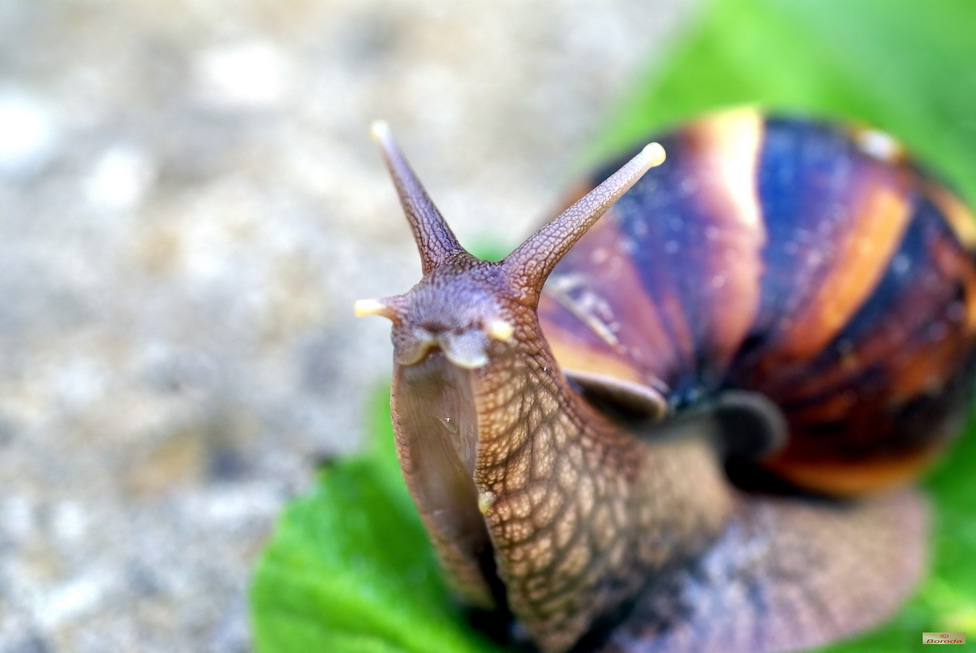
{"x":835,"y":217}
{"x":787,"y":257}
{"x":692,"y":309}
{"x":881,"y":329}
{"x":955,"y":212}
{"x":838,"y":287}
{"x":913,"y":302}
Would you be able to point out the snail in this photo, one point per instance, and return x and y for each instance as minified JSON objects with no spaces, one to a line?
{"x":700,"y":433}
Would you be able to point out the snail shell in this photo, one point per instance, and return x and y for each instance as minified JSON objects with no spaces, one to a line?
{"x":657,"y":450}
{"x":806,"y":261}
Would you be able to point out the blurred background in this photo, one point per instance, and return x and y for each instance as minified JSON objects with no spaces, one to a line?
{"x":189,"y":205}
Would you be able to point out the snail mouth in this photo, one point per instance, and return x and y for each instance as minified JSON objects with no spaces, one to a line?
{"x":467,"y":349}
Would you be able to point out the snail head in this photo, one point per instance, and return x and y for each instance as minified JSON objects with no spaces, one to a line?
{"x":463,"y":304}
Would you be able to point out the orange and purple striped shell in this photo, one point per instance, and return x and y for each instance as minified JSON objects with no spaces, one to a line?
{"x":804,"y":260}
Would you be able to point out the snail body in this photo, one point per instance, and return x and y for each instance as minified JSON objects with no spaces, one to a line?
{"x":697,"y":435}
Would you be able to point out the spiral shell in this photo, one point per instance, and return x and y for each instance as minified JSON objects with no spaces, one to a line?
{"x":810,"y":262}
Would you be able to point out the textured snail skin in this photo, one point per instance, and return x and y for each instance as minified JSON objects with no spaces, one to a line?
{"x":576,"y":511}
{"x":753,"y":261}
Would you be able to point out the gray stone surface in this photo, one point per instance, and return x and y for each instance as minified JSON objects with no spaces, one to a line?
{"x":189,"y":205}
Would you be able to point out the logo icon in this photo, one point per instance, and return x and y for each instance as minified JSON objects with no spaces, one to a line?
{"x":943,"y":638}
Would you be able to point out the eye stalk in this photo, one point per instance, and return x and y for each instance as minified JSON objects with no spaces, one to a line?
{"x":532,"y":261}
{"x":435,"y":240}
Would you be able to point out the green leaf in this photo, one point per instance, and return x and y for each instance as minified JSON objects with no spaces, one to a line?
{"x":349,"y":568}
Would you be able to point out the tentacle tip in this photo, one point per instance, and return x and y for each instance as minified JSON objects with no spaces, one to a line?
{"x":654,"y":154}
{"x":500,"y":330}
{"x":379,"y":131}
{"x":364,"y":307}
